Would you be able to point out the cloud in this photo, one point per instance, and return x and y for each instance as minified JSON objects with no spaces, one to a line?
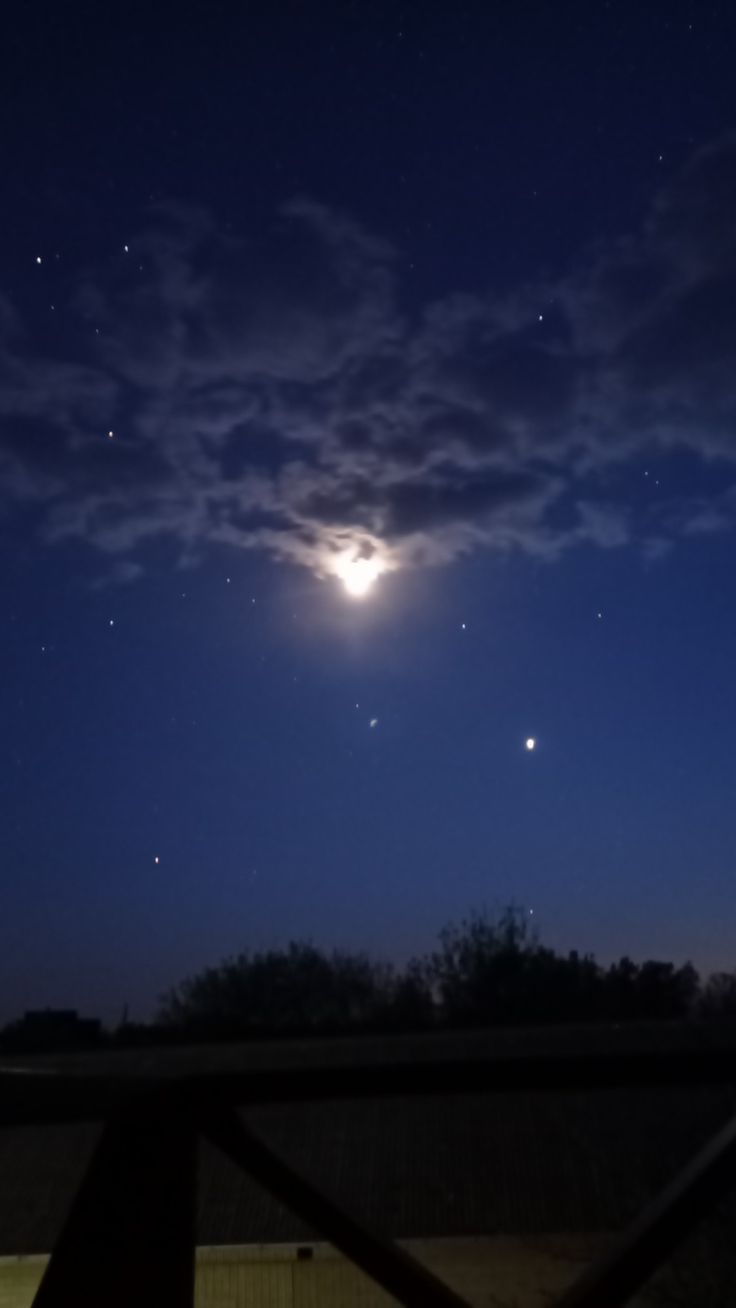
{"x":266,"y":391}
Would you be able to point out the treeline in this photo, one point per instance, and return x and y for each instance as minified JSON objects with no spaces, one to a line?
{"x":485,"y":971}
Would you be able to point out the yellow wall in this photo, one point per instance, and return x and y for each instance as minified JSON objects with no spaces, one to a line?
{"x":494,"y":1272}
{"x":19,"y":1280}
{"x":498,"y":1271}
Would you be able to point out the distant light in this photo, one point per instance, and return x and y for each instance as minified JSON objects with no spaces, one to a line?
{"x":112,"y":622}
{"x":111,"y":434}
{"x":157,"y":859}
{"x":39,"y":259}
{"x":530,"y":743}
{"x":125,"y":247}
{"x":541,"y":317}
{"x":374,"y":722}
{"x":462,"y":624}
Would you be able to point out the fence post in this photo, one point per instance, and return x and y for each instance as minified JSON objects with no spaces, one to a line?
{"x":130,"y":1235}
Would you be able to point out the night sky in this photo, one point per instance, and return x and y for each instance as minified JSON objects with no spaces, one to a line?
{"x":436,"y":302}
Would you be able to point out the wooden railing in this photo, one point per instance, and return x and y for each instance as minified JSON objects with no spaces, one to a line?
{"x":131,"y":1227}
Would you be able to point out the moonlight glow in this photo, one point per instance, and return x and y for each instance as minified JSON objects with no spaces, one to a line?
{"x":358,"y":575}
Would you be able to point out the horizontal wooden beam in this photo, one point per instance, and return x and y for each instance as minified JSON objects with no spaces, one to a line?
{"x":28,"y":1096}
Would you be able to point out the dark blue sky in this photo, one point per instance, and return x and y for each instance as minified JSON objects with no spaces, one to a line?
{"x":451,"y":290}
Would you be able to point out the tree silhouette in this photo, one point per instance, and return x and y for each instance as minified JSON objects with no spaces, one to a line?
{"x":486,"y":970}
{"x":296,"y":989}
{"x":718,"y":998}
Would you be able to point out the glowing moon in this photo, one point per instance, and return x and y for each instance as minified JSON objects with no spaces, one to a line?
{"x":530,"y":743}
{"x":358,"y":575}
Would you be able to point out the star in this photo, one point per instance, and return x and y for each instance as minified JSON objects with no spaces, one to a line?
{"x":156,"y":859}
{"x":39,"y":259}
{"x":530,"y":743}
{"x":374,"y":722}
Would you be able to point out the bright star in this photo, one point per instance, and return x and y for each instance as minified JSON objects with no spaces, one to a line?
{"x":530,"y":743}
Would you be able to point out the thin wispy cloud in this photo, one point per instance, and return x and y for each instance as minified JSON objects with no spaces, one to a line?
{"x":266,"y":390}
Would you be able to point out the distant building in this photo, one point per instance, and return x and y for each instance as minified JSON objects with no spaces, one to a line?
{"x":47,"y":1030}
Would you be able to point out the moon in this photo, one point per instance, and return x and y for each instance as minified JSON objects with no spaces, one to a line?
{"x":357,"y":574}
